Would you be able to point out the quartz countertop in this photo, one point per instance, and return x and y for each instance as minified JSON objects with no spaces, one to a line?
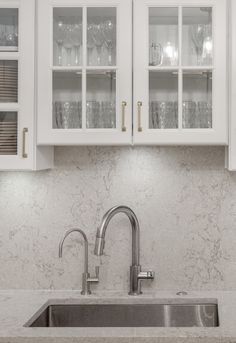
{"x":17,"y":307}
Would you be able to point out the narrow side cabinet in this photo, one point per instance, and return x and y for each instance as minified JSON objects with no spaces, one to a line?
{"x":18,"y":149}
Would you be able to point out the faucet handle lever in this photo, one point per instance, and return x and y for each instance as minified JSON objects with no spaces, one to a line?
{"x":96,"y":277}
{"x":148,"y":275}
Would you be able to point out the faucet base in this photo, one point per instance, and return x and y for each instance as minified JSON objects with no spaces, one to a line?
{"x":135,"y":286}
{"x":85,"y":292}
{"x":134,"y":293}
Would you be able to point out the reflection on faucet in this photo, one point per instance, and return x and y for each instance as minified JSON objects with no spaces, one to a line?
{"x":86,"y":280}
{"x":136,"y":275}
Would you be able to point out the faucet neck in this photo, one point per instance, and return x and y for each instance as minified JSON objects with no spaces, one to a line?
{"x":85,"y":246}
{"x":134,"y":224}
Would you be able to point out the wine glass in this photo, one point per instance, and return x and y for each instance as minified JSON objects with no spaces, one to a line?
{"x":109,"y":32}
{"x":99,"y":39}
{"x":90,"y":43}
{"x":68,"y":42}
{"x":198,"y":36}
{"x":59,"y":36}
{"x":77,"y":41}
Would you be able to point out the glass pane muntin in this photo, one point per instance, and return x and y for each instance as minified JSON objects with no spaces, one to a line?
{"x":101,"y":16}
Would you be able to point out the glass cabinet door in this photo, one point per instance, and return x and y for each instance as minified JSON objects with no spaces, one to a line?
{"x":8,"y":82}
{"x":9,"y":29}
{"x":183,"y":70}
{"x":17,"y":86}
{"x":89,"y":74}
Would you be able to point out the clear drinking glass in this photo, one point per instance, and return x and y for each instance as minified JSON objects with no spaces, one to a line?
{"x":190,"y":115}
{"x":67,"y":100}
{"x":101,"y":99}
{"x":163,"y":36}
{"x":204,"y":109}
{"x":163,"y":100}
{"x":197,"y":99}
{"x":197,"y":42}
{"x":67,"y":114}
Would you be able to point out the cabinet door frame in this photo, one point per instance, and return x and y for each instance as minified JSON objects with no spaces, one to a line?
{"x":46,"y":135}
{"x":218,"y":135}
{"x":230,"y":161}
{"x":25,"y":106}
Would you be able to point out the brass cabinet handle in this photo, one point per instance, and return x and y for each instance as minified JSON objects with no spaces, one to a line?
{"x":140,"y":104}
{"x":123,"y":127}
{"x":24,"y":154}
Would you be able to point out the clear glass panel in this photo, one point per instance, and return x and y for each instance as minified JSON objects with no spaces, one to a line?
{"x":163,"y":36}
{"x":67,"y":100}
{"x":8,"y":29}
{"x":8,"y":133}
{"x":67,"y":36}
{"x":101,"y":99}
{"x":197,"y":36}
{"x":8,"y":81}
{"x":197,"y":99}
{"x":163,"y":100}
{"x":101,"y":36}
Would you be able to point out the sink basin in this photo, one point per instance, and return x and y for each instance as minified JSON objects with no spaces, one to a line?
{"x":201,"y":314}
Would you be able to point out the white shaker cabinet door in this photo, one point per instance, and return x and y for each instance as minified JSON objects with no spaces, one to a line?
{"x":18,"y":149}
{"x":84,"y":72}
{"x":180,"y":72}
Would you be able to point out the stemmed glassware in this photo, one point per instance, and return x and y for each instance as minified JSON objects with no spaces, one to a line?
{"x":99,"y":40}
{"x":201,"y":35}
{"x":90,"y":43}
{"x":197,"y":34}
{"x":77,"y":41}
{"x":68,"y":35}
{"x":59,"y":36}
{"x":68,"y":43}
{"x":109,"y":32}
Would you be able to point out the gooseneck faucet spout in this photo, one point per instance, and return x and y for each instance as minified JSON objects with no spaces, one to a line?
{"x":136,"y":275}
{"x":86,"y":279}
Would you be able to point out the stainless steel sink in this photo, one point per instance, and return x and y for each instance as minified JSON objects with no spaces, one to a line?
{"x":127,"y":315}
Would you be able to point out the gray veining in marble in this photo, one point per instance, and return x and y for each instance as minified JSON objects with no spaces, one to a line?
{"x":184,"y":198}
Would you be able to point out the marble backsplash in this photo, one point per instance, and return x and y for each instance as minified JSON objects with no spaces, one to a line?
{"x":183,"y":197}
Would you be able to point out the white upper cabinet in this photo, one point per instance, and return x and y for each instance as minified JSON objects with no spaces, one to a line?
{"x":17,"y":87}
{"x":180,"y":72}
{"x":84,"y":72}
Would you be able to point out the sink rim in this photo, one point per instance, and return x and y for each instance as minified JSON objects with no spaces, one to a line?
{"x":121,"y":301}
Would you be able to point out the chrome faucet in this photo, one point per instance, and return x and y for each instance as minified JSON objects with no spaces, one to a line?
{"x":136,"y":275}
{"x":86,"y":279}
